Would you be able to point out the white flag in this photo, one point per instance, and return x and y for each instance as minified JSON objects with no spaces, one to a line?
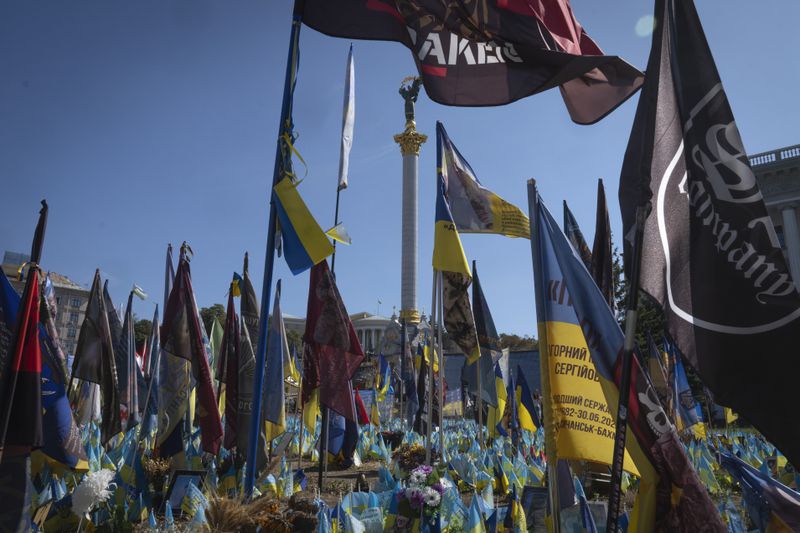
{"x":348,"y":120}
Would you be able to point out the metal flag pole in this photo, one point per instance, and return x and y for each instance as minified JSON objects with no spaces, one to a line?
{"x":479,"y":403}
{"x":479,"y":382}
{"x":402,"y":385}
{"x":440,"y":322}
{"x":615,"y":496}
{"x":269,"y":260}
{"x":429,"y":388}
{"x":544,"y":366}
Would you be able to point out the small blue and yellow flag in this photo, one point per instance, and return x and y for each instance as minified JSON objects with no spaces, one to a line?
{"x":383,"y":378}
{"x":304,"y":242}
{"x":494,"y":421}
{"x":526,"y":407}
{"x":236,"y":287}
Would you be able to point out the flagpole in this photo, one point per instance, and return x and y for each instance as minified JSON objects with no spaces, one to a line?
{"x":631,"y":317}
{"x":429,"y":387}
{"x":269,"y":260}
{"x":479,"y":383}
{"x":479,"y":403}
{"x":439,"y":319}
{"x":544,"y":365}
{"x":402,"y":386}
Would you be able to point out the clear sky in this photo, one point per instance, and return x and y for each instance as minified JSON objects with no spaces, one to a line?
{"x":154,"y":121}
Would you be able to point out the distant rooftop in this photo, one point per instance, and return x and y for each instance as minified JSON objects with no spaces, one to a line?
{"x":15,"y":258}
{"x":60,"y":280}
{"x":775,"y":156}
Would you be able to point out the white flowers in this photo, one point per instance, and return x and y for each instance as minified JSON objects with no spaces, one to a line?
{"x":417,"y":478}
{"x":431,"y":497}
{"x":93,"y":489}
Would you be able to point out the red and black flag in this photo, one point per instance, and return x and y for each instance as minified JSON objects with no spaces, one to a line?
{"x":94,"y":360}
{"x":333,"y":353}
{"x":181,"y":337}
{"x":20,"y":381}
{"x":711,"y":256}
{"x":489,"y":52}
{"x":602,"y":260}
{"x":228,"y":369}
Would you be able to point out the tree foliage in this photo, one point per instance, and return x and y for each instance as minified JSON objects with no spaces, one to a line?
{"x":208,"y":314}
{"x":650,"y":317}
{"x":141,"y":330}
{"x":518,"y":343}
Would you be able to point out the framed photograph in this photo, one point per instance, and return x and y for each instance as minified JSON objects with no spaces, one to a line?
{"x":179,"y":483}
{"x":534,"y":502}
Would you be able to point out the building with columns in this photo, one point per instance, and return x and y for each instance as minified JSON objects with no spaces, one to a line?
{"x":369,"y":328}
{"x":778,"y":175}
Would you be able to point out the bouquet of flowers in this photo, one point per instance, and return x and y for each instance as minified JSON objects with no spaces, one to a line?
{"x":423,"y":492}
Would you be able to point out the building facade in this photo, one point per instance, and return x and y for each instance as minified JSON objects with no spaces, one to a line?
{"x":778,"y":175}
{"x":369,"y":328}
{"x":71,"y":300}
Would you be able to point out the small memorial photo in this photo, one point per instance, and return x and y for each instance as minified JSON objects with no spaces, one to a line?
{"x":179,"y":484}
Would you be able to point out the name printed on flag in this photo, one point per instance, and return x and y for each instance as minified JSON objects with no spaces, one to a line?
{"x":577,"y":396}
{"x":449,"y":49}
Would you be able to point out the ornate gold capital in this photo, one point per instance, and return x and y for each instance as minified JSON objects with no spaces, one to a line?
{"x":410,"y":141}
{"x":411,"y":316}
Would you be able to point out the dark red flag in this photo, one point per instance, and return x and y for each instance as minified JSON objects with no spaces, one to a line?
{"x":361,"y":409}
{"x":21,"y":376}
{"x":182,"y":338}
{"x":333,"y":352}
{"x":21,"y":412}
{"x":489,"y":52}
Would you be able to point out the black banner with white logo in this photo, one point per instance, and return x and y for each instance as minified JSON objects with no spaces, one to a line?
{"x":711,"y":255}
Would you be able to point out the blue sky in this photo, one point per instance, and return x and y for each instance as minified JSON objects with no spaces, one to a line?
{"x":154,"y":121}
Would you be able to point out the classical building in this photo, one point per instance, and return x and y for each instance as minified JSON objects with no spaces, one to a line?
{"x":71,"y":300}
{"x":369,"y":328}
{"x":778,"y":175}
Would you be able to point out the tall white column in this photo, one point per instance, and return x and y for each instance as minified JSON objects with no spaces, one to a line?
{"x":410,"y":142}
{"x":791,"y":236}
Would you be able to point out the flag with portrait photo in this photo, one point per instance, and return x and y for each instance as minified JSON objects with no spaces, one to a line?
{"x":475,"y":209}
{"x":94,"y":360}
{"x":449,"y":259}
{"x":182,"y":338}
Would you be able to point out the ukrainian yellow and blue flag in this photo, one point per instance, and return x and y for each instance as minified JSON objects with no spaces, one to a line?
{"x":304,"y":242}
{"x":777,"y":508}
{"x":475,"y":523}
{"x":527,"y":413}
{"x":688,"y":414}
{"x":494,"y":420}
{"x":383,"y":378}
{"x":558,"y":266}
